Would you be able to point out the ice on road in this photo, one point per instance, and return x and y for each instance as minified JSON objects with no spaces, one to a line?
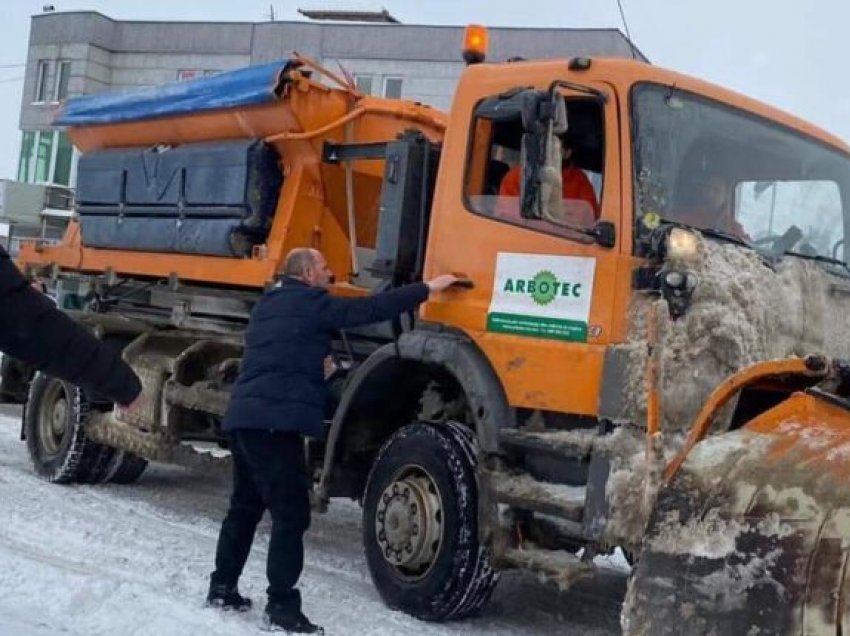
{"x":135,"y":560}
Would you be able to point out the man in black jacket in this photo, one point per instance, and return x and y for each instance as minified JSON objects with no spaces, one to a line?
{"x":34,"y":331}
{"x":278,"y":398}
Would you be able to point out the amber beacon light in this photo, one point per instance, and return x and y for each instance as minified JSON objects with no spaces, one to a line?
{"x":474,"y":44}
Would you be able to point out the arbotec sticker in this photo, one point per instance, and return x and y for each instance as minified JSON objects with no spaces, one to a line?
{"x":542,"y":296}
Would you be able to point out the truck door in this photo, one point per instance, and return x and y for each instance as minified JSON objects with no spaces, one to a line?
{"x":542,"y":306}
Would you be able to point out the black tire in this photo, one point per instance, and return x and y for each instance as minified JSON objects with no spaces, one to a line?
{"x":126,"y":468}
{"x":56,"y":440}
{"x":446,"y":579}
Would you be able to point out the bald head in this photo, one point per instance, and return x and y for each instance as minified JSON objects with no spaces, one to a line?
{"x":307,"y":265}
{"x":298,"y":261}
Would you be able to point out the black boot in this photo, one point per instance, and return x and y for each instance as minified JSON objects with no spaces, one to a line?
{"x":295,"y":623}
{"x":227,"y":597}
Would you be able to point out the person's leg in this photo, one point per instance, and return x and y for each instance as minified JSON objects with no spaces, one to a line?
{"x":281,"y":472}
{"x":289,"y":507}
{"x":240,"y":524}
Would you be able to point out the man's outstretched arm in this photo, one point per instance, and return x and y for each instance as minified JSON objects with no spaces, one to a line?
{"x":33,"y":330}
{"x":341,"y":313}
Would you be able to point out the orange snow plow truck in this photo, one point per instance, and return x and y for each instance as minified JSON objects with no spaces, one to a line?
{"x":647,"y":350}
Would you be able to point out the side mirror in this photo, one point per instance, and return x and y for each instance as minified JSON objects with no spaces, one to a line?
{"x":531,"y":162}
{"x":541,"y":185}
{"x":605,"y":234}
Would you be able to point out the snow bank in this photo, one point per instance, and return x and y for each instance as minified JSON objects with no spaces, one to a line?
{"x":742,"y":311}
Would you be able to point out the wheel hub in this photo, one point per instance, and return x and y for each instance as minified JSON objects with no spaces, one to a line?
{"x":53,"y":418}
{"x":60,"y":413}
{"x":408,"y":522}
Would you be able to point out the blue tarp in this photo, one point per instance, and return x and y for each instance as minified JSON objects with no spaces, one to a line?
{"x":242,"y":87}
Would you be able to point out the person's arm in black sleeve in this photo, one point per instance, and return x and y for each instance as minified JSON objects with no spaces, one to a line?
{"x":341,"y":313}
{"x":33,"y":330}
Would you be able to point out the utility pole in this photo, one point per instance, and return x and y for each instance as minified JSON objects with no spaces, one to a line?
{"x":271,"y":13}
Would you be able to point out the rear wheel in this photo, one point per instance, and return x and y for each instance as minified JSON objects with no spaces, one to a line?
{"x":126,"y":467}
{"x":56,"y":440}
{"x":420,"y":524}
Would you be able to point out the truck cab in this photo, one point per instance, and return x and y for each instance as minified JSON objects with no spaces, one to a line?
{"x":630,"y":241}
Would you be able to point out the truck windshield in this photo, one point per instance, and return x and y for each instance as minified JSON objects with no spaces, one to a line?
{"x":702,"y":163}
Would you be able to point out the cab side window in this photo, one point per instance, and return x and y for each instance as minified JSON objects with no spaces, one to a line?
{"x":494,"y":170}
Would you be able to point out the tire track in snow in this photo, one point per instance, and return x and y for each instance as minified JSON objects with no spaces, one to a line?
{"x":152,"y":546}
{"x":258,"y":549}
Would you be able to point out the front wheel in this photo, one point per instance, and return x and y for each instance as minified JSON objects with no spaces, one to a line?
{"x":420,"y":524}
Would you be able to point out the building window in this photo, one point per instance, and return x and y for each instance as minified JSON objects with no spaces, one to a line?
{"x":41,"y":82}
{"x":64,"y":158}
{"x":27,"y":145}
{"x":63,"y":74}
{"x":363,"y":83}
{"x":43,"y":153}
{"x":392,"y":87}
{"x":47,"y":156}
{"x":186,"y":74}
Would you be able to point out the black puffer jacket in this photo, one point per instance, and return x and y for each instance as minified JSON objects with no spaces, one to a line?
{"x":281,"y":381}
{"x":33,"y":330}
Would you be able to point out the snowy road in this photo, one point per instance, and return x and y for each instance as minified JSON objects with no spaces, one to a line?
{"x":134,"y":560}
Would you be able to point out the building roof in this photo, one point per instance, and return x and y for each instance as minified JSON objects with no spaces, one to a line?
{"x":349,"y":16}
{"x":267,"y":41}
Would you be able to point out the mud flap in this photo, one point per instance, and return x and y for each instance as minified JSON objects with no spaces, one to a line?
{"x":752,"y":534}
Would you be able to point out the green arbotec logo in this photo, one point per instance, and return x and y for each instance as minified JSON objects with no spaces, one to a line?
{"x":544,"y":288}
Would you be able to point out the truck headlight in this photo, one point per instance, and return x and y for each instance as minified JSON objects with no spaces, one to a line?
{"x":677,"y":287}
{"x":681,"y":244}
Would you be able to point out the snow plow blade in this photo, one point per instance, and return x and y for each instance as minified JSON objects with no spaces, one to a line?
{"x":751,"y":535}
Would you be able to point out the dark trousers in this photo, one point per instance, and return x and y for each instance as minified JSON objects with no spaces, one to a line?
{"x":269,"y":472}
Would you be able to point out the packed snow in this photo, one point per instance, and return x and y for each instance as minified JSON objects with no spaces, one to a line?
{"x":134,"y":560}
{"x":742,"y":311}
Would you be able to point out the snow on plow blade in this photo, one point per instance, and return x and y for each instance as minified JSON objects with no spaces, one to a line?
{"x":752,"y":534}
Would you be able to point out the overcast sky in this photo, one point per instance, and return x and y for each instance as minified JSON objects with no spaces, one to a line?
{"x":794,"y":55}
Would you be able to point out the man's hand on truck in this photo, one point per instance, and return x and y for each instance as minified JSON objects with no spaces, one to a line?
{"x":441,"y":282}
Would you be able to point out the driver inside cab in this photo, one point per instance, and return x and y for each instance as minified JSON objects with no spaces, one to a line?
{"x":708,"y":205}
{"x":581,"y":204}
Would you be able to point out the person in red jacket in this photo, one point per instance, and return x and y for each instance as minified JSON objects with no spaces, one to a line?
{"x":575,"y":186}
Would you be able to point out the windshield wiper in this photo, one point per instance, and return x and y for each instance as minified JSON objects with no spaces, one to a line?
{"x":820,"y":258}
{"x":724,"y":236}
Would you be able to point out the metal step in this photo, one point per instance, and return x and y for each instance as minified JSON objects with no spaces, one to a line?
{"x":523,"y":491}
{"x":578,"y":443}
{"x":558,"y":566}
